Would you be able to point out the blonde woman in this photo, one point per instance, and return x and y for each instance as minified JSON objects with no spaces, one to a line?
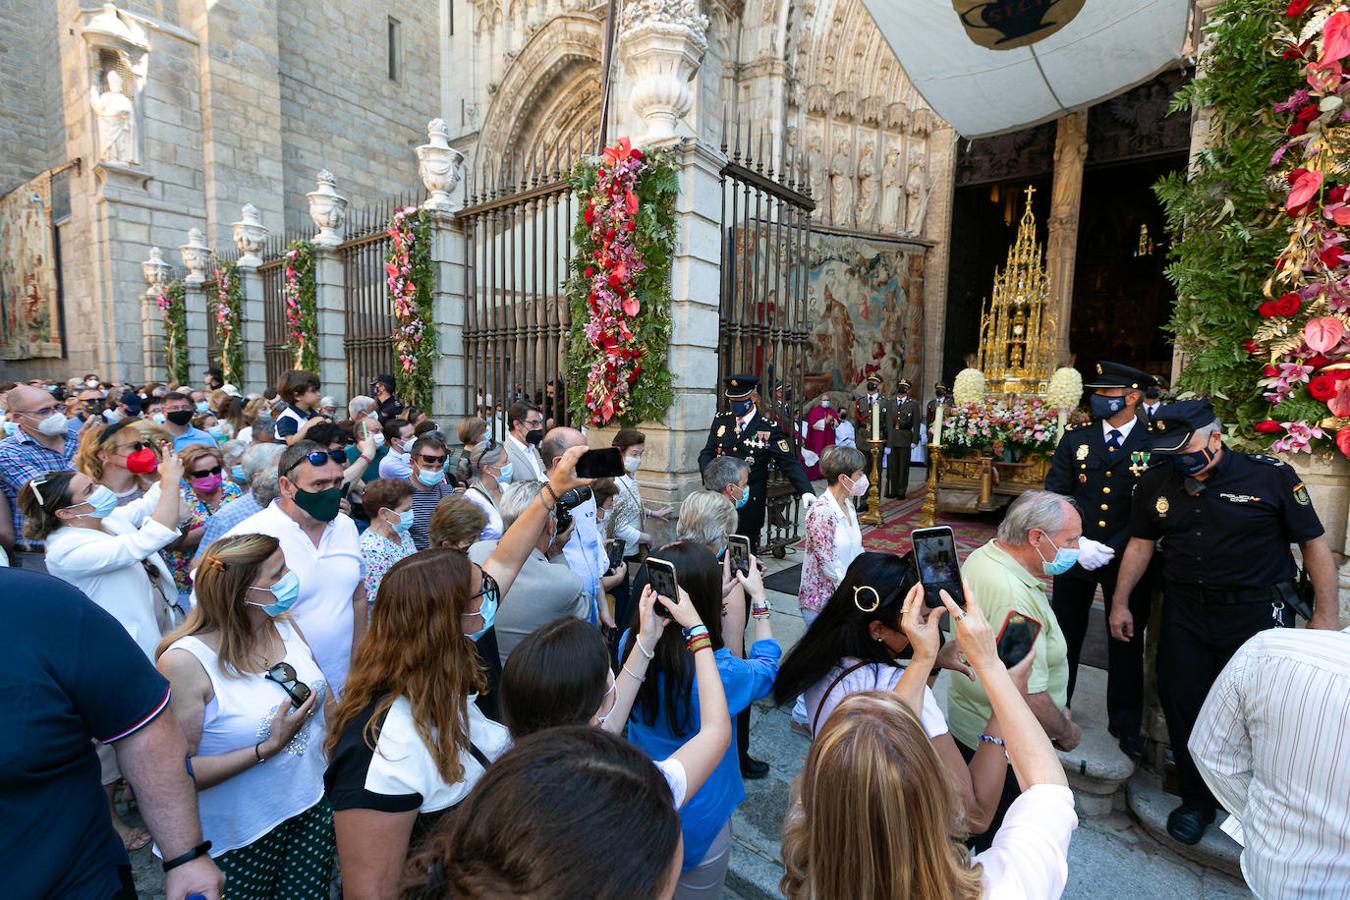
{"x":874,"y":811}
{"x":204,"y":490}
{"x":250,"y":698}
{"x":120,"y":458}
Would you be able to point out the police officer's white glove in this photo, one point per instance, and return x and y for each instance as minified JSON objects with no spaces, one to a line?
{"x":807,"y":500}
{"x":1092,"y":555}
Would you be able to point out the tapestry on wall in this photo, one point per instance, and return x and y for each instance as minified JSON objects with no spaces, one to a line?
{"x":865,"y":303}
{"x":29,"y":318}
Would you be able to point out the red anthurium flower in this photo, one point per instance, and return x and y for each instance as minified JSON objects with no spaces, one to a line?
{"x":1340,"y":403}
{"x":1269,"y":426}
{"x":1343,"y":441}
{"x":630,"y":203}
{"x":1303,"y":188}
{"x":1323,"y":333}
{"x":1338,"y":213}
{"x":631,"y":306}
{"x":1331,"y":257}
{"x":1336,"y":38}
{"x":1322,"y":388}
{"x":1336,"y":194}
{"x":1324,"y":76}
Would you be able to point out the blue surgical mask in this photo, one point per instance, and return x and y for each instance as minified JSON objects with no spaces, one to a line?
{"x":740,"y":407}
{"x":103,"y":501}
{"x":203,"y":406}
{"x":404,"y":523}
{"x":489,"y":613}
{"x":430,"y":477}
{"x":1064,"y":559}
{"x":237,"y":473}
{"x":745,"y":497}
{"x":1104,"y":407}
{"x":286,"y":591}
{"x":11,"y":429}
{"x":504,"y":476}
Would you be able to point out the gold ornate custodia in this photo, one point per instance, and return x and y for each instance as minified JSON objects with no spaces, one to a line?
{"x":1018,"y":328}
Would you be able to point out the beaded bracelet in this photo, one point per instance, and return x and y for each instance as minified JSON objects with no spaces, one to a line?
{"x":701,"y":642}
{"x":548,"y":487}
{"x":990,"y":739}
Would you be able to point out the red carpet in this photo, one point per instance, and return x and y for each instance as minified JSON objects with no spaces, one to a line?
{"x":902,"y":517}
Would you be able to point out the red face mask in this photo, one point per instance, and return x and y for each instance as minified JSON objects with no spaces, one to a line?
{"x":142,"y":462}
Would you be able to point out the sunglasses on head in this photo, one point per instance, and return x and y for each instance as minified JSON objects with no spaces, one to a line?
{"x":284,"y":675}
{"x":319,"y":458}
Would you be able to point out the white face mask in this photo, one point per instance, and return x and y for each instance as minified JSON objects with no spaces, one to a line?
{"x":859,"y":487}
{"x":53,"y":425}
{"x":632,"y":463}
{"x":378,"y":438}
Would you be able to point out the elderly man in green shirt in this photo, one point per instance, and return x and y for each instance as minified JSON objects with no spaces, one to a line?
{"x":1037,"y":538}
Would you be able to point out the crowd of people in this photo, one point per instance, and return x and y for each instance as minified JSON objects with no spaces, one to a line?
{"x":432,"y":661}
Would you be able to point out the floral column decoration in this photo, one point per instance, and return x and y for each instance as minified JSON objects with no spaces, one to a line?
{"x":173,"y":309}
{"x":619,"y":287}
{"x":1304,"y":334}
{"x":408,"y":278}
{"x":228,"y":312}
{"x":300,"y":292}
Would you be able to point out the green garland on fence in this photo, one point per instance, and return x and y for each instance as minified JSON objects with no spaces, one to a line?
{"x":618,"y":291}
{"x":1223,"y":220}
{"x":301,"y":295}
{"x":409,"y":279}
{"x":229,"y":313}
{"x":173,"y":309}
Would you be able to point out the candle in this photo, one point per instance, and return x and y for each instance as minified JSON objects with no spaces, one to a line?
{"x":876,"y":421}
{"x":1063,"y":421}
{"x":937,"y":425}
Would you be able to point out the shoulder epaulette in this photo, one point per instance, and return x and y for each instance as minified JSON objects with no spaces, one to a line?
{"x":1266,"y":460}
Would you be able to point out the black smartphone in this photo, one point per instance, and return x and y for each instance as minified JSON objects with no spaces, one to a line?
{"x":605,"y":462}
{"x":738,"y":545}
{"x":1016,"y":637}
{"x":661,"y":576}
{"x":614,"y":550}
{"x":939,"y":569}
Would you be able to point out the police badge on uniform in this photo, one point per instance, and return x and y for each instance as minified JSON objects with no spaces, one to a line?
{"x":1082,"y":452}
{"x":1301,"y":494}
{"x":1161,"y":506}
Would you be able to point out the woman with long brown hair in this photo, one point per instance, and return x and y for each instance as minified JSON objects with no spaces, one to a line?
{"x":408,"y":741}
{"x":250,"y":699}
{"x":877,"y":814}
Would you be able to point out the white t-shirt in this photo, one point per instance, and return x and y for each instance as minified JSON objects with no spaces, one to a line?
{"x":1030,"y":855}
{"x":871,"y":677}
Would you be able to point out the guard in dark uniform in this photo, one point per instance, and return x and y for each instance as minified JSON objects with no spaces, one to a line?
{"x":1227,"y":519}
{"x":758,"y":440}
{"x":1098,"y":465}
{"x":942,"y":397}
{"x":902,"y":417}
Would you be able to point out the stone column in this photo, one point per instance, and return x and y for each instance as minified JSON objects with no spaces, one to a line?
{"x":449,"y":299}
{"x":156,"y":273}
{"x":328,"y":211}
{"x":249,"y":236}
{"x":1066,"y":194}
{"x":937,"y":221}
{"x":196,"y":259}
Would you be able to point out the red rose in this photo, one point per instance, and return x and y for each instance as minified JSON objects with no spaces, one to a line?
{"x":1298,"y":129}
{"x":609,"y":234}
{"x":632,"y":225}
{"x":1331,"y":257}
{"x":588,"y":214}
{"x":1322,"y":388}
{"x":1266,"y":310}
{"x":1343,"y":441}
{"x":1296,"y":7}
{"x":1269,"y":426}
{"x":1308,"y":113}
{"x":1288,"y":304}
{"x":614,"y":279}
{"x":590,"y":272}
{"x":1250,"y":346}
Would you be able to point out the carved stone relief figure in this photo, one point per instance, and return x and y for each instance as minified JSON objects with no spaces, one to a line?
{"x":116,"y":114}
{"x":892,"y":216}
{"x":841,"y":185}
{"x":815,"y":159}
{"x":867,"y":187}
{"x":918,"y":188}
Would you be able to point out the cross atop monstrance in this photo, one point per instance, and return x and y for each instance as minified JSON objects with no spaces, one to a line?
{"x":1018,"y":327}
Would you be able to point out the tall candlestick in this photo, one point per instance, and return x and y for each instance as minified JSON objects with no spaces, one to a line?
{"x":876,"y":421}
{"x":937,"y":425}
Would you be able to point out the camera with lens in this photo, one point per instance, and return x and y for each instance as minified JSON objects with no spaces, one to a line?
{"x":569,"y":501}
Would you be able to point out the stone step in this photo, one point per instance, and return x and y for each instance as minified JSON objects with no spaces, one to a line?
{"x":1151,"y":805}
{"x":1096,"y":768}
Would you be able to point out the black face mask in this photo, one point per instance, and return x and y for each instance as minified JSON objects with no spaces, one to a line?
{"x":535,"y":437}
{"x":179,"y":417}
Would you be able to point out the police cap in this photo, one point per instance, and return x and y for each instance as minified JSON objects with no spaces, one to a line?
{"x":1174,"y":423}
{"x":1117,"y":375}
{"x":737,"y":387}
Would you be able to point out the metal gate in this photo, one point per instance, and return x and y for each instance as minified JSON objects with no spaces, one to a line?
{"x":763,"y":327}
{"x":518,"y":230}
{"x":273,"y":274}
{"x":368,"y":317}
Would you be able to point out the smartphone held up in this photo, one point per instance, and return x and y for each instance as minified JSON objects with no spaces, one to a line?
{"x":661,"y":577}
{"x":939,"y":569}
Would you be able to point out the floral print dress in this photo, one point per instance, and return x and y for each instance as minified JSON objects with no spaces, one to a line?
{"x":180,"y":561}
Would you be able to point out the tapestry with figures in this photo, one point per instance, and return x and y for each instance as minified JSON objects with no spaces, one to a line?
{"x":29,"y":312}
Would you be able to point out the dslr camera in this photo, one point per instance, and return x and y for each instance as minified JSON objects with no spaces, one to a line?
{"x":569,"y":501}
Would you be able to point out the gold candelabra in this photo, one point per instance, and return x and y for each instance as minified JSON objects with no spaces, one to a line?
{"x":1018,"y":327}
{"x":873,"y":515}
{"x":928,"y":513}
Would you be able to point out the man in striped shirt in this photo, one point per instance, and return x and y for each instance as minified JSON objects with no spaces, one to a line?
{"x":430,"y":484}
{"x":1273,"y":744}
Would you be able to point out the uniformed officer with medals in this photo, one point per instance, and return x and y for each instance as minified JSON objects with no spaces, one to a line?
{"x":1227,"y":520}
{"x":1098,"y":465}
{"x":745,"y":433}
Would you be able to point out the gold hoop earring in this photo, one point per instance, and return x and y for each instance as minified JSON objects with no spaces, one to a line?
{"x":876,"y":598}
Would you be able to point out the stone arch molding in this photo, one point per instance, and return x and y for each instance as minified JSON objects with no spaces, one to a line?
{"x":549,"y":95}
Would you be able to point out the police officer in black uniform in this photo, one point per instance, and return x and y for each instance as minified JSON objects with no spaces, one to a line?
{"x":745,"y":433}
{"x":1098,"y":465}
{"x":1227,"y":520}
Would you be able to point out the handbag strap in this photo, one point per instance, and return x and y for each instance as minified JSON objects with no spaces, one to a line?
{"x":815,"y":720}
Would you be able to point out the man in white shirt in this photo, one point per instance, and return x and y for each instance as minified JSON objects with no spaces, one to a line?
{"x":1273,"y":744}
{"x":526,"y":423}
{"x":322,"y":548}
{"x":585,"y":549}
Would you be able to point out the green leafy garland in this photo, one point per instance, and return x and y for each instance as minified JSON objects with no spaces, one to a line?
{"x":302,"y":314}
{"x":173,"y":308}
{"x":1223,"y":220}
{"x":408,"y":278}
{"x":229,"y":313}
{"x":619,"y":294}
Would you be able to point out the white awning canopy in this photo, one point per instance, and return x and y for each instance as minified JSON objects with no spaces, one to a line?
{"x":990,"y":66}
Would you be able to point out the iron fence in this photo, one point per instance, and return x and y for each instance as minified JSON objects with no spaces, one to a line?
{"x":276,"y":355}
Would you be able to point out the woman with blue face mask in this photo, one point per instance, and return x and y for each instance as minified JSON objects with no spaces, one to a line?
{"x":388,"y":504}
{"x":249,"y":696}
{"x":116,"y":564}
{"x":490,"y":471}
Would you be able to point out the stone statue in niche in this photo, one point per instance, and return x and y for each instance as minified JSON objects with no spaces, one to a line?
{"x":918,"y":188}
{"x":892,"y":216}
{"x":867,"y":187}
{"x":116,"y":113}
{"x":815,"y":161}
{"x":841,"y":185}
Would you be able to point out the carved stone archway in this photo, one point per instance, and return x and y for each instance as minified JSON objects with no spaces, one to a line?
{"x":548,"y":102}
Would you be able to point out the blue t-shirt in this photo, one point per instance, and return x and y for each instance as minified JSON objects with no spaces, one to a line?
{"x":69,"y":673}
{"x":193,"y":436}
{"x":744,"y":681}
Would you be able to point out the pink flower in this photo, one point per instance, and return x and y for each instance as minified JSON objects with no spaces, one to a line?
{"x":1303,"y":188}
{"x":1336,"y":38}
